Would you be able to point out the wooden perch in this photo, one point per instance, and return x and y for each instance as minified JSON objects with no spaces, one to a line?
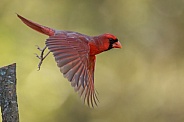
{"x":8,"y":97}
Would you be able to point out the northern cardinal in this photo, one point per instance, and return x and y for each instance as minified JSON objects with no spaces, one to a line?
{"x":75,"y":56}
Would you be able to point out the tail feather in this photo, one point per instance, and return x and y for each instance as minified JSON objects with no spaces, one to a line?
{"x":37,"y":27}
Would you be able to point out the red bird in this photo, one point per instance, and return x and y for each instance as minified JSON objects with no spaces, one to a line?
{"x":75,"y":56}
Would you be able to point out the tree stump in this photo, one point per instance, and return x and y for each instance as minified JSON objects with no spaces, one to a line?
{"x":8,"y":96}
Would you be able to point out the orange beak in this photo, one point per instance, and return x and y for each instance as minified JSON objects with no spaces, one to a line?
{"x":117,"y":45}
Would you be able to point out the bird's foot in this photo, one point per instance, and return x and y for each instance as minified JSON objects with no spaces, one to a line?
{"x":41,"y":57}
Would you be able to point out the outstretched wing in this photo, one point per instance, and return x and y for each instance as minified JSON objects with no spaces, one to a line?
{"x":71,"y":52}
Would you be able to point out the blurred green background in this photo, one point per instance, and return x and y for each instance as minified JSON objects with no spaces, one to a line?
{"x":142,"y":82}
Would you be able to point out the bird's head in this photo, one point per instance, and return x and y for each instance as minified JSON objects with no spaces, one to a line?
{"x":111,"y":41}
{"x":103,"y":43}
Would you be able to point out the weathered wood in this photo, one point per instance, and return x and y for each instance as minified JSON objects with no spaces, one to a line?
{"x":8,"y":97}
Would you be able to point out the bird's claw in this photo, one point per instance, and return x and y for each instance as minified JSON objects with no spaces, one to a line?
{"x":41,"y":57}
{"x":37,"y":56}
{"x":39,"y":65}
{"x":41,"y":60}
{"x":39,"y":48}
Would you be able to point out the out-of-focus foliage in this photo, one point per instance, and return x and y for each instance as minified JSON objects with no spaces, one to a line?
{"x":143,"y":82}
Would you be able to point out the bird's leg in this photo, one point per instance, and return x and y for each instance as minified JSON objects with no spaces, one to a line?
{"x":41,"y":57}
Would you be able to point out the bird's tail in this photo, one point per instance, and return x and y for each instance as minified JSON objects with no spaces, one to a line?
{"x":37,"y":27}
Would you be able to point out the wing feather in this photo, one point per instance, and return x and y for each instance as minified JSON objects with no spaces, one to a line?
{"x":70,"y":74}
{"x":68,"y":66}
{"x":71,"y":52}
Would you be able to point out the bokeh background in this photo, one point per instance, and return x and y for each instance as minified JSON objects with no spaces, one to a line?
{"x":142,"y":82}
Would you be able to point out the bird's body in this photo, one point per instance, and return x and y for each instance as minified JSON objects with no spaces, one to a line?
{"x":75,"y":56}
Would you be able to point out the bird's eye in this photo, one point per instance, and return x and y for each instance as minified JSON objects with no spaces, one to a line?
{"x":113,"y":40}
